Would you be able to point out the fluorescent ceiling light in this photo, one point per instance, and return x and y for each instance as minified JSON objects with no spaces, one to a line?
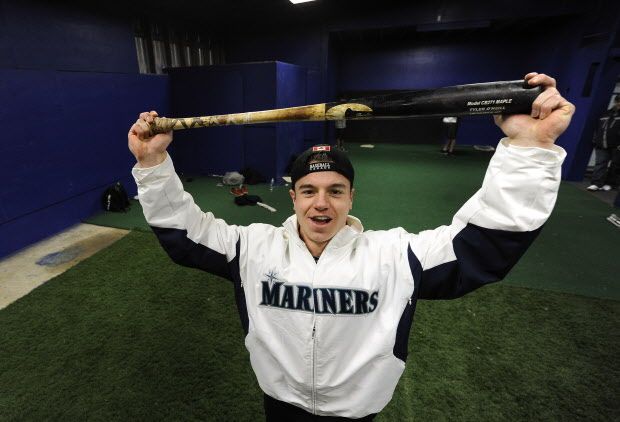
{"x":300,"y":1}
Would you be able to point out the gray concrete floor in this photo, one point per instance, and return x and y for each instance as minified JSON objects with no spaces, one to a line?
{"x":30,"y":267}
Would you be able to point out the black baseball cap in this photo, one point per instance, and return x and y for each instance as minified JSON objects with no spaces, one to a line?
{"x":334,"y":160}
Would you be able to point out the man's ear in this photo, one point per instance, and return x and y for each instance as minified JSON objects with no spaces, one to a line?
{"x":292,"y":193}
{"x":352,"y":194}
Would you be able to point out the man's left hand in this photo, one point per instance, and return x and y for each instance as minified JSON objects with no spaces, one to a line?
{"x":551,"y":114}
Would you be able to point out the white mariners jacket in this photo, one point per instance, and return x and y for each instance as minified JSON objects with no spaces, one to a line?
{"x":331,"y":336}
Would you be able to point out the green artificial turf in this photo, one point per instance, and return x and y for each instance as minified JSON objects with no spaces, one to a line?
{"x":128,"y":335}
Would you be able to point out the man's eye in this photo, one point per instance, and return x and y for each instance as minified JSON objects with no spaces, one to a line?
{"x":337,"y":192}
{"x":306,"y":192}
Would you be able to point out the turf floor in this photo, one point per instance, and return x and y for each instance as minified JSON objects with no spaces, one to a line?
{"x":128,"y":335}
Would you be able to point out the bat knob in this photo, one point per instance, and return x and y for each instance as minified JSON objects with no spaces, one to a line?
{"x":161,"y":125}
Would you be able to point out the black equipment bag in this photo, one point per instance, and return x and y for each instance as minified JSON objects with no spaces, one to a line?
{"x":115,"y":198}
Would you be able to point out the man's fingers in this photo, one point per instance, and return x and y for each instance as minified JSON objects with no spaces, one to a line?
{"x":141,"y":129}
{"x":148,"y":116}
{"x":568,"y":107}
{"x":535,"y":79}
{"x":144,"y":126}
{"x":549,"y":85}
{"x":556,"y":103}
{"x":550,"y":104}
{"x":135,"y":128}
{"x":541,"y":99}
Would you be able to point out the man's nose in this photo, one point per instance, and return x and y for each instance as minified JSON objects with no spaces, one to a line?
{"x":320,"y":201}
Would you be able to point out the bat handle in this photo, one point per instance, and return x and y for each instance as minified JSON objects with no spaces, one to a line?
{"x":163,"y":125}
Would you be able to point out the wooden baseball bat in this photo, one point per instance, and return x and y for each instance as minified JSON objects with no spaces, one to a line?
{"x":504,"y":97}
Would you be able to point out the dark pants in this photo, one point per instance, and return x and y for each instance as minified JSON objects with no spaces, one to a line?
{"x":615,"y":176}
{"x":279,"y":411}
{"x":605,"y":167}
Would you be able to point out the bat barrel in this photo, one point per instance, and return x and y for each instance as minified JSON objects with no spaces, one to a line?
{"x":504,"y":97}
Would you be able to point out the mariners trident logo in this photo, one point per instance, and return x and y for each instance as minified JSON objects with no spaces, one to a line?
{"x":281,"y":294}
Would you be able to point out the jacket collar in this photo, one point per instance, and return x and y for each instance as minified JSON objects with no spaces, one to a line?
{"x":346,"y":234}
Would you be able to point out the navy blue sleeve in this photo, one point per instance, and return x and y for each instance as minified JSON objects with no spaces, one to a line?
{"x":483,"y":256}
{"x":184,"y":251}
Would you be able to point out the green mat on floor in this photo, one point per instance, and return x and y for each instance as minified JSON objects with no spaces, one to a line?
{"x":415,"y":187}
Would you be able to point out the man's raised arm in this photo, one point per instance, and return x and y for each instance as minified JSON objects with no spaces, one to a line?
{"x":189,"y":236}
{"x":494,"y":228}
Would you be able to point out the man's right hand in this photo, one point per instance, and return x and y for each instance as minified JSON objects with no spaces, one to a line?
{"x":149,"y":151}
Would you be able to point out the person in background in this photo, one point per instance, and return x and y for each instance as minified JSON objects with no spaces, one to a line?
{"x":341,"y":125}
{"x":451,"y":125}
{"x":606,"y":141}
{"x":614,"y":218}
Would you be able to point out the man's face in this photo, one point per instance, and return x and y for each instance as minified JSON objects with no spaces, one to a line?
{"x":322,"y":201}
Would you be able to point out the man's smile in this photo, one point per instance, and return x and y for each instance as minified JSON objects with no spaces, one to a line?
{"x":320,"y":220}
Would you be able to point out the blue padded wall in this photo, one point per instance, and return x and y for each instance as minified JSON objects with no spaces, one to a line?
{"x":237,"y":88}
{"x":261,"y":149}
{"x":291,"y":92}
{"x":70,"y":91}
{"x":314,"y":132}
{"x":206,"y":91}
{"x":65,"y":140}
{"x":306,"y":47}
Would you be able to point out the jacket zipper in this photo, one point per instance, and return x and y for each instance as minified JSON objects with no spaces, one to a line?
{"x":313,"y":391}
{"x":314,"y":368}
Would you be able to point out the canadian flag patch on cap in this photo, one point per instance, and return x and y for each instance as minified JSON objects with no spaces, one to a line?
{"x":321,"y":148}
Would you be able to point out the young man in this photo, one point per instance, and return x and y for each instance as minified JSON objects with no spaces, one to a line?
{"x":327,"y":307}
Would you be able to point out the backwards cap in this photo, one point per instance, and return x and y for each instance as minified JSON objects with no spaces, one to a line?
{"x":332,"y":160}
